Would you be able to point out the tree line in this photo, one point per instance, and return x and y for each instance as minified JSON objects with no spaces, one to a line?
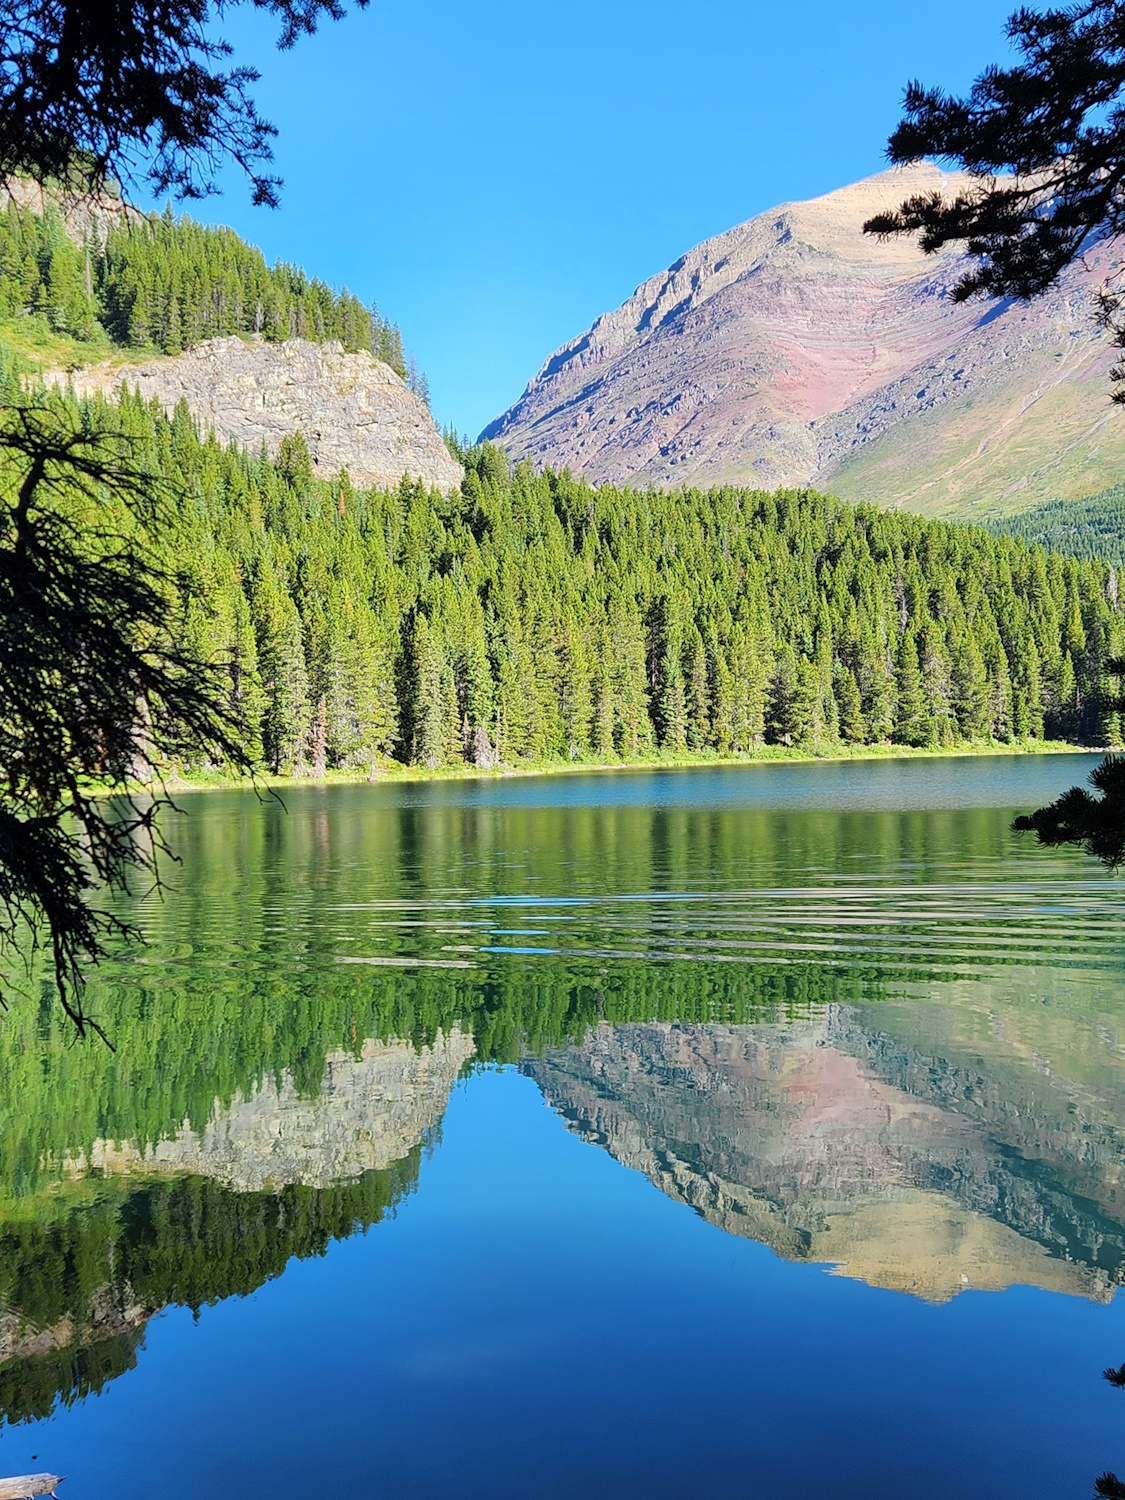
{"x":530,"y":618}
{"x":168,"y":283}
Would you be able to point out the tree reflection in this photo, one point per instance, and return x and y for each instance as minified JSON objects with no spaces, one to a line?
{"x":76,"y":1293}
{"x":1107,"y":1486}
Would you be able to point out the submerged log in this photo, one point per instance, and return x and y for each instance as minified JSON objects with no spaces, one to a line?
{"x":27,"y":1486}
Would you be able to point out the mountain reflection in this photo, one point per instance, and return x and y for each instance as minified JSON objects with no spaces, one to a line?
{"x":868,"y":1040}
{"x":923,"y":1149}
{"x":368,"y":1113}
{"x":836,"y":1140}
{"x":127,"y":1230}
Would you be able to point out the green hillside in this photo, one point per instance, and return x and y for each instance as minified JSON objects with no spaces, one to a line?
{"x":163,"y":283}
{"x":530,"y":618}
{"x":993,"y":450}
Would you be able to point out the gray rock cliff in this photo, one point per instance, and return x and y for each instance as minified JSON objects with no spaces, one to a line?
{"x":368,"y":1113}
{"x":80,"y":211}
{"x":352,"y":409}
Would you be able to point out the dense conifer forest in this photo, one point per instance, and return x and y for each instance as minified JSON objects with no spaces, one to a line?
{"x":168,"y":283}
{"x":1091,"y":529}
{"x":529,"y":618}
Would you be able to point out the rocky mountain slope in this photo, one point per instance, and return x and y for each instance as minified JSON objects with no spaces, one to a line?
{"x":81,"y":212}
{"x":795,"y":350}
{"x":355,"y":412}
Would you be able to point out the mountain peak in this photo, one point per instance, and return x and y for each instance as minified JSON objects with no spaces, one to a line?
{"x":795,"y":349}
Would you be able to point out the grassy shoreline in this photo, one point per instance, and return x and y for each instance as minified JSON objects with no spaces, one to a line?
{"x":394,"y":772}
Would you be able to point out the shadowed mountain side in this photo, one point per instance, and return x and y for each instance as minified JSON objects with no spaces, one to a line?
{"x":785,"y":1135}
{"x":795,"y":350}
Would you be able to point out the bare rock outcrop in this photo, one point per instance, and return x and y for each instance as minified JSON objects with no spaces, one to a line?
{"x":109,"y":1312}
{"x":355,"y":413}
{"x":793,"y":349}
{"x":368,"y":1113}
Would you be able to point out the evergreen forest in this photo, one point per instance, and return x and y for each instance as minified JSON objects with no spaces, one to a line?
{"x":167,"y":283}
{"x":1091,"y":528}
{"x":528,"y":618}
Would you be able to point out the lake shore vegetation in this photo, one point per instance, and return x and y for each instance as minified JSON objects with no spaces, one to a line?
{"x":391,"y":771}
{"x":529,"y":620}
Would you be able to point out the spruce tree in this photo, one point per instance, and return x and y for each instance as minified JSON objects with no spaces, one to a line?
{"x":849,"y":706}
{"x":913,"y":725}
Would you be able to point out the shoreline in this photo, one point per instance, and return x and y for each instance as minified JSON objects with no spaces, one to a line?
{"x":389,"y":773}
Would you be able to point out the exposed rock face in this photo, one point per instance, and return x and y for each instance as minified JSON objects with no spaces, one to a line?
{"x":353,"y":410}
{"x":80,"y":212}
{"x":783,"y":1134}
{"x":367,"y":1115}
{"x":795,"y":350}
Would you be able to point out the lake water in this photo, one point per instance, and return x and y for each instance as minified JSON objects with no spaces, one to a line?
{"x":749,"y":1132}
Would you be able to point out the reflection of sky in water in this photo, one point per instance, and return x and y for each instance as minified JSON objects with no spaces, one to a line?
{"x":534,"y":1321}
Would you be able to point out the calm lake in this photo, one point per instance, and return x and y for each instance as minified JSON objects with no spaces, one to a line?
{"x":748,"y":1132}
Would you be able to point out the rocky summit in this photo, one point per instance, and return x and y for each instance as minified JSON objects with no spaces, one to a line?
{"x":354,"y":411}
{"x":794,"y":350}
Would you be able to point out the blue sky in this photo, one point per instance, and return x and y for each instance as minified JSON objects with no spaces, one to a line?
{"x":496,"y":175}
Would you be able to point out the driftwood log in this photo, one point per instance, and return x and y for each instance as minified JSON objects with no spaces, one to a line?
{"x":27,"y":1486}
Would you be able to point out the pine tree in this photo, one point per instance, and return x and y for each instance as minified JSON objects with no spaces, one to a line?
{"x":633,"y":731}
{"x":577,"y":698}
{"x":877,"y":686}
{"x":696,"y":690}
{"x":913,"y":725}
{"x":319,"y":740}
{"x":785,"y":718}
{"x":247,"y":700}
{"x":435,"y":718}
{"x":603,"y":710}
{"x":969,"y":688}
{"x":286,"y":720}
{"x":720,"y":686}
{"x":849,"y":706}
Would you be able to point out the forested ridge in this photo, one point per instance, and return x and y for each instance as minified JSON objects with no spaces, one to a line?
{"x":169,"y":283}
{"x":530,"y":618}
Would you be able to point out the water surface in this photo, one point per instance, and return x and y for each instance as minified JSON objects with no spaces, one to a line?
{"x":727,"y":1132}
